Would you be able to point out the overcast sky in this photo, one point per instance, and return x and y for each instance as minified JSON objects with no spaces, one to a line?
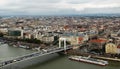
{"x":53,"y":7}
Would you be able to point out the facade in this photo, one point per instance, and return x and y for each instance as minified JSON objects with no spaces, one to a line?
{"x":111,"y":48}
{"x":118,"y":49}
{"x":76,"y":40}
{"x":48,"y":39}
{"x":15,"y":33}
{"x":4,"y":30}
{"x":27,"y":35}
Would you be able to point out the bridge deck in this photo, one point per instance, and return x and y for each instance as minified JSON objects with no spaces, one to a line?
{"x":32,"y":55}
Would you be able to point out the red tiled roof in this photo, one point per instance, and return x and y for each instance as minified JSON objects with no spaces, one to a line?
{"x":66,"y":27}
{"x":82,"y":29}
{"x":80,"y":38}
{"x":98,"y":40}
{"x":118,"y":47}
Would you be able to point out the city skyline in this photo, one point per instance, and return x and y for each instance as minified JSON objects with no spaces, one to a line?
{"x":58,"y":7}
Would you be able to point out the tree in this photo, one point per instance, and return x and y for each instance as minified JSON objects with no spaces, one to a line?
{"x":1,"y":34}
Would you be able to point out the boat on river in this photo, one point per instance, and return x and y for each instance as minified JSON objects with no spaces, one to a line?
{"x":89,"y":60}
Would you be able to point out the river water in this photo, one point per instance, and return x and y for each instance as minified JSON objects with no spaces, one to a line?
{"x":59,"y":62}
{"x":7,"y":52}
{"x":62,"y":62}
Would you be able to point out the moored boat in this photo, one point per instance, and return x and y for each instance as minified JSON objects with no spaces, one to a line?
{"x":89,"y":60}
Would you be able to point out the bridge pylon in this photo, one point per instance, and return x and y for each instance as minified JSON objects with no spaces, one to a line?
{"x":60,"y":40}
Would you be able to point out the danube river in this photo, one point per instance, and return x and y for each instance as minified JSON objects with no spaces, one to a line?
{"x":58,"y":62}
{"x":62,"y":62}
{"x":8,"y":52}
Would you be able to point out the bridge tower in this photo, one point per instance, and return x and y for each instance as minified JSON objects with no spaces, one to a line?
{"x":60,"y":40}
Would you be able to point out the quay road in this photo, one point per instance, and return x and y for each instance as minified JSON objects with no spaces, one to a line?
{"x":32,"y":55}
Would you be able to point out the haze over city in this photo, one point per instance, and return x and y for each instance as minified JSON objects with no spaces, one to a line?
{"x":58,"y":7}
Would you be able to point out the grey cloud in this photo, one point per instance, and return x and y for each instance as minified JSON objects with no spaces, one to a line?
{"x":48,"y":7}
{"x":78,"y":1}
{"x":102,"y":10}
{"x":41,"y":1}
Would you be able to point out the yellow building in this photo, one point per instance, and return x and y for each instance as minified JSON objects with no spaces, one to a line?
{"x":111,"y":48}
{"x":74,"y":40}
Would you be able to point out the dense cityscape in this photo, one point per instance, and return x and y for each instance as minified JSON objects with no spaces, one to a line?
{"x":97,"y":36}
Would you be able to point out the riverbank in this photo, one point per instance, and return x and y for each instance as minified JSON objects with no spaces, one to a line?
{"x":107,"y":58}
{"x":22,"y":44}
{"x":74,"y":52}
